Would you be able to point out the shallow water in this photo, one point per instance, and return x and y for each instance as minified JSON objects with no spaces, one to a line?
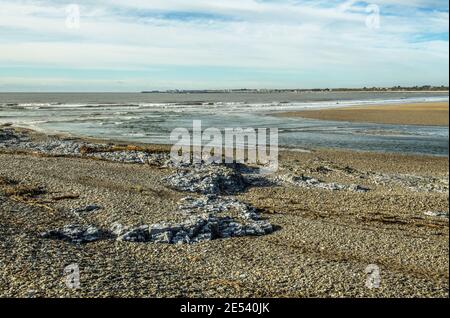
{"x":151,"y":117}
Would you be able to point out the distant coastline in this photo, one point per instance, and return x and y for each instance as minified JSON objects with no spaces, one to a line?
{"x":411,"y":89}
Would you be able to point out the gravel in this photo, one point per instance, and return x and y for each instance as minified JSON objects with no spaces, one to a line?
{"x":86,"y":209}
{"x":312,"y":183}
{"x":76,"y":234}
{"x":412,"y":182}
{"x":53,"y":146}
{"x":176,"y":243}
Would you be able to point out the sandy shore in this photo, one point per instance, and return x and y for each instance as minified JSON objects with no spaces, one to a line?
{"x":429,"y":114}
{"x":323,"y":242}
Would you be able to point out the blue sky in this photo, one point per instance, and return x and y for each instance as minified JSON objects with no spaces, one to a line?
{"x":139,"y":45}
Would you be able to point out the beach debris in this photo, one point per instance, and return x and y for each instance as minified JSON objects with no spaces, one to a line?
{"x":208,"y":179}
{"x":312,"y":183}
{"x":76,"y":234}
{"x":439,"y":214}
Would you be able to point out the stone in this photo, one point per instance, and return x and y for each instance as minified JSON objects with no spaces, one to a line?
{"x":439,"y":214}
{"x":181,"y":237}
{"x":137,"y":234}
{"x":207,"y":179}
{"x":77,"y":234}
{"x":117,"y":229}
{"x":9,"y":138}
{"x":203,"y":237}
{"x":214,"y":204}
{"x":163,"y":237}
{"x":204,"y":220}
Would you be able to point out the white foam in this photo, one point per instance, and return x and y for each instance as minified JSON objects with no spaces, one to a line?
{"x":226,"y":107}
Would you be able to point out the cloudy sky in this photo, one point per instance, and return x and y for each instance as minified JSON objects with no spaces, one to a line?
{"x":136,"y":45}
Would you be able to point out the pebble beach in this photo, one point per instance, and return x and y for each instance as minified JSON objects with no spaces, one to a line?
{"x":137,"y":225}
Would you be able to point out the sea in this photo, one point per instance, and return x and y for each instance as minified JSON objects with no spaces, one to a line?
{"x":151,"y":117}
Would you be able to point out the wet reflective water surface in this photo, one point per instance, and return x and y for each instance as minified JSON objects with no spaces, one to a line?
{"x":150,"y":118}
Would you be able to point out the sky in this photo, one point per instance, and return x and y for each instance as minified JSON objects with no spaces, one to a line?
{"x":133,"y":45}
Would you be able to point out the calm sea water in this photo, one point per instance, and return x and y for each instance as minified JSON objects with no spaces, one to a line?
{"x":151,"y":117}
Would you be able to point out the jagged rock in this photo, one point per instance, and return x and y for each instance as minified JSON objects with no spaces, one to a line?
{"x":439,"y":214}
{"x":259,"y":228}
{"x":203,"y":223}
{"x":207,"y":179}
{"x":213,"y":204}
{"x":137,"y":234}
{"x":77,"y":234}
{"x":117,"y":229}
{"x":157,"y":158}
{"x":10,"y":138}
{"x":181,"y":237}
{"x":162,"y":233}
{"x":164,"y":237}
{"x":203,"y":237}
{"x":196,"y":229}
{"x":229,"y":228}
{"x":60,"y":147}
{"x":120,"y":156}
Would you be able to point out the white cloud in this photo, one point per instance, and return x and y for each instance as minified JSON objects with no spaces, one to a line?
{"x":290,"y":36}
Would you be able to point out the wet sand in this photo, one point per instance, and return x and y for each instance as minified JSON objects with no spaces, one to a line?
{"x":427,"y":114}
{"x":323,"y":243}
